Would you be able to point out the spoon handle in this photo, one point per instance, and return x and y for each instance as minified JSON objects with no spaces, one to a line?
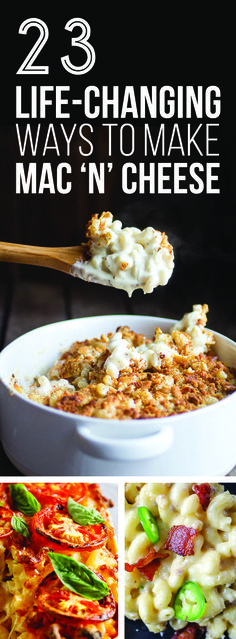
{"x":60,"y":258}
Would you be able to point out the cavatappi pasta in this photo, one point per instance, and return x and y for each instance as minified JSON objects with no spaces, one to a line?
{"x":58,"y":577}
{"x":197,"y":543}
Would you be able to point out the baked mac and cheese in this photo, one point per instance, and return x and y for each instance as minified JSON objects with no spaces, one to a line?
{"x":187,"y":574}
{"x":58,"y":562}
{"x":125,"y":258}
{"x":125,"y":375}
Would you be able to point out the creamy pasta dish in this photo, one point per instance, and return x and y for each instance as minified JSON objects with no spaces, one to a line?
{"x":58,"y":562}
{"x":125,"y":375}
{"x":125,"y":258}
{"x":180,"y":558}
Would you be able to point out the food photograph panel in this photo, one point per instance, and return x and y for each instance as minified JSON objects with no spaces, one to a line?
{"x":117,"y":323}
{"x":180,"y":560}
{"x":117,"y":245}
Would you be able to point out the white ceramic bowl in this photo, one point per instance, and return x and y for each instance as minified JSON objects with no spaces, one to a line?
{"x":44,"y":441}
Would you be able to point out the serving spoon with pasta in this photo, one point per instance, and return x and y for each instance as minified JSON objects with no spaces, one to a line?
{"x":59,"y":258}
{"x":124,"y":258}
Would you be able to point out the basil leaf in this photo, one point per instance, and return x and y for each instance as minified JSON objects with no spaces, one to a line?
{"x":77,"y":577}
{"x":23,"y":500}
{"x":20,"y":526}
{"x":82,"y":515}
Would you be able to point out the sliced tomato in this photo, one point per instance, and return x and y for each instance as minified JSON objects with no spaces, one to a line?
{"x":48,"y":493}
{"x":5,"y":521}
{"x":57,"y":600}
{"x":54,"y":526}
{"x":4,"y":495}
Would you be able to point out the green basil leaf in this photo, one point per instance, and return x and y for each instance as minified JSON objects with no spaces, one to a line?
{"x":20,"y":526}
{"x":23,"y":500}
{"x":82,"y":515}
{"x":77,"y":577}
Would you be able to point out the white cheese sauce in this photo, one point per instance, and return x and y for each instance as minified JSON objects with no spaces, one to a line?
{"x":126,"y":258}
{"x":45,"y":387}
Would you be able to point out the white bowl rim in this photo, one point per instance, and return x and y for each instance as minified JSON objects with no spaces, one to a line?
{"x":161,"y":421}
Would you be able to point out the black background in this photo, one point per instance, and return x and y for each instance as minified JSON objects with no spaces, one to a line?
{"x":136,"y":46}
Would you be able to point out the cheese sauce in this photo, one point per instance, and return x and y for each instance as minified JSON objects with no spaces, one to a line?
{"x":126,"y":258}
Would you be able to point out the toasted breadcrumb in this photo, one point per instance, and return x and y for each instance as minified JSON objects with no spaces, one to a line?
{"x":128,"y":376}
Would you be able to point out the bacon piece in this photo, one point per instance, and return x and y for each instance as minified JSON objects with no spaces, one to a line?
{"x":149,"y":564}
{"x":192,"y":631}
{"x":181,"y":540}
{"x":203,"y":491}
{"x":149,"y":570}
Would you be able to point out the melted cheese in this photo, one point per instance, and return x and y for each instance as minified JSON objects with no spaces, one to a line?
{"x":23,"y":566}
{"x":123,"y":354}
{"x":46,"y":387}
{"x":193,"y":324}
{"x":126,"y":258}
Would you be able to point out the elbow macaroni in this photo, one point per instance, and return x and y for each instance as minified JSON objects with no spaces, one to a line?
{"x":212,"y":566}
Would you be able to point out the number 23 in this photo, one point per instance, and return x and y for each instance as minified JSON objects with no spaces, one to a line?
{"x":82,"y":41}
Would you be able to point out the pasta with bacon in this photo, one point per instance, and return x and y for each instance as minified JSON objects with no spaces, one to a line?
{"x":186,"y":574}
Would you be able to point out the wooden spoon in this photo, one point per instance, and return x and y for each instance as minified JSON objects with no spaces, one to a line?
{"x":60,"y":258}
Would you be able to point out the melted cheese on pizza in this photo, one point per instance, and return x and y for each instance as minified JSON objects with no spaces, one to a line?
{"x":25,"y":564}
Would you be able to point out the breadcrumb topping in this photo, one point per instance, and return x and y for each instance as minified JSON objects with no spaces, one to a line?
{"x":126,"y":375}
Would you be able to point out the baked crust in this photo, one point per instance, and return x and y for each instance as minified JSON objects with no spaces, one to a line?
{"x":128,"y":376}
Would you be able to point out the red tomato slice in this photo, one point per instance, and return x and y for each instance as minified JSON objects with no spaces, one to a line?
{"x":5,"y":521}
{"x":55,"y":599}
{"x":54,"y":525}
{"x":49,"y":493}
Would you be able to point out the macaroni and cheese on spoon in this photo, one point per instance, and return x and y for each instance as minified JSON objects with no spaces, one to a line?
{"x":125,"y":258}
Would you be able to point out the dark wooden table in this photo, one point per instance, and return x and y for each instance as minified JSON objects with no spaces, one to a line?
{"x":31,"y":297}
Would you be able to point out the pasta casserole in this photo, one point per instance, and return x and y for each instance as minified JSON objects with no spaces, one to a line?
{"x":126,"y":375}
{"x":58,"y":562}
{"x":180,"y":558}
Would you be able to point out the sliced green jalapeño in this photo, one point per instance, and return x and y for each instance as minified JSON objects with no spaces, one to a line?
{"x":149,"y":524}
{"x":189,"y":602}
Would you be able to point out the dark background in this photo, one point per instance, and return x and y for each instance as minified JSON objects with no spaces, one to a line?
{"x":143,"y":47}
